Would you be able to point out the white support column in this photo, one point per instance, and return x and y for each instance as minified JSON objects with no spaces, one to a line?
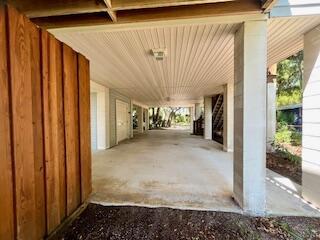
{"x":311,"y":118}
{"x":250,"y":116}
{"x":147,"y":119}
{"x":192,"y":117}
{"x":197,"y":111}
{"x":107,"y":118}
{"x":228,"y":117}
{"x":271,"y":107}
{"x":208,"y":118}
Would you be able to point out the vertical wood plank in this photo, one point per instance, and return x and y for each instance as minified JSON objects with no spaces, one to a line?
{"x":84,"y":121}
{"x":22,"y":122}
{"x":60,"y":137}
{"x":38,"y":130}
{"x":52,"y":150}
{"x":54,"y":130}
{"x":6,"y":178}
{"x":71,"y":113}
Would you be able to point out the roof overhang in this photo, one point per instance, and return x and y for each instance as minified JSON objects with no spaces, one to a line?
{"x":85,"y":13}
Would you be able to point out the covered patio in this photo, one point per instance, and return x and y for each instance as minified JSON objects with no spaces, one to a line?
{"x":171,"y":168}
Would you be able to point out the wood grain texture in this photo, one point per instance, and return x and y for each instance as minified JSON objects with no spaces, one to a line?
{"x":84,"y":121}
{"x":6,"y":178}
{"x":22,"y":122}
{"x":53,"y":151}
{"x":36,"y":84}
{"x":40,"y":129}
{"x":60,"y":137}
{"x":71,"y":116}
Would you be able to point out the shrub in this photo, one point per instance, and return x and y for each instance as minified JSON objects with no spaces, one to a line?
{"x":284,"y":153}
{"x":288,"y":135}
{"x":283,"y":134}
{"x":286,"y":117}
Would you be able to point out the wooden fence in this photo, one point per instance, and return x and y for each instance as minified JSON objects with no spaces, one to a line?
{"x":45,"y":152}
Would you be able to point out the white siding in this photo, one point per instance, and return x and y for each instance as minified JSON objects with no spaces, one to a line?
{"x":311,"y":118}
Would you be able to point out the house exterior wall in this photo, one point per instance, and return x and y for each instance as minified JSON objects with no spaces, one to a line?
{"x":113,"y":96}
{"x":311,"y":118}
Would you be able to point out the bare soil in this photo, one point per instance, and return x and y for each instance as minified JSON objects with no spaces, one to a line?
{"x":100,"y":222}
{"x":284,"y":167}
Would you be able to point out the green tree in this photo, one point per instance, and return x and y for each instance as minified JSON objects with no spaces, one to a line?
{"x":289,"y":80}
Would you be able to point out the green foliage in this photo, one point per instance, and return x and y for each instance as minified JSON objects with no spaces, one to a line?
{"x":289,"y":80}
{"x":283,"y":134}
{"x":289,"y":73}
{"x":289,"y":97}
{"x":285,"y":117}
{"x":287,"y":135}
{"x":284,"y":153}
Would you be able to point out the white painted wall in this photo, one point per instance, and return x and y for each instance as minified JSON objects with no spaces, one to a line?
{"x":208,"y":118}
{"x":93,"y":121}
{"x":102,"y":114}
{"x":311,"y":118}
{"x":250,"y":59}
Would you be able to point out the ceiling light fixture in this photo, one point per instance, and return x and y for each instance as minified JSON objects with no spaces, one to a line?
{"x":159,"y":53}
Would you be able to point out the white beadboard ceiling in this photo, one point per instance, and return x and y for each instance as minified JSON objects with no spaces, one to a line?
{"x":199,"y":57}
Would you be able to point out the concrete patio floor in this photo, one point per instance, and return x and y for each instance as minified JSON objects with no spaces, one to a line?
{"x":171,"y":168}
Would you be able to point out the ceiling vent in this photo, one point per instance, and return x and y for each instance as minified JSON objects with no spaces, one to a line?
{"x":159,"y":53}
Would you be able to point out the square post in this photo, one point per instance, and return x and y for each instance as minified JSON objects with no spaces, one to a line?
{"x":228,"y":117}
{"x":208,"y":118}
{"x":250,"y":59}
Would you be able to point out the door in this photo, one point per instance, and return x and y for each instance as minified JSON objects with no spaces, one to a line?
{"x":93,"y":116}
{"x":122,"y":120}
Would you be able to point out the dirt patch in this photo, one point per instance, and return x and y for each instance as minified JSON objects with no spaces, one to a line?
{"x":284,"y":167}
{"x":98,"y":222}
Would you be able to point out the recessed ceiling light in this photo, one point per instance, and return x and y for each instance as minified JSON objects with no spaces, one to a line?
{"x":159,"y":53}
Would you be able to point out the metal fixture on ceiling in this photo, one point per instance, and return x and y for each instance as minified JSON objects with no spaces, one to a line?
{"x":159,"y":53}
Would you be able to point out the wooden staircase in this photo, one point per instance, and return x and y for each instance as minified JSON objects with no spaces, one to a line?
{"x":217,"y":118}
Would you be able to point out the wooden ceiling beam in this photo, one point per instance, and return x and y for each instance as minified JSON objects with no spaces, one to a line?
{"x":233,"y":8}
{"x":195,"y":11}
{"x":112,"y":14}
{"x":47,"y":8}
{"x":268,"y":5}
{"x":79,"y":20}
{"x":140,"y":4}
